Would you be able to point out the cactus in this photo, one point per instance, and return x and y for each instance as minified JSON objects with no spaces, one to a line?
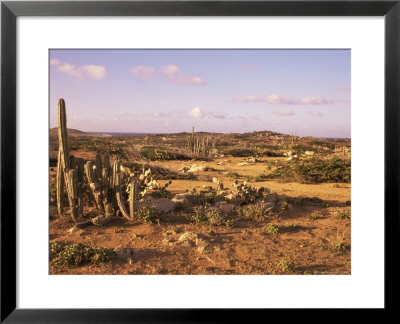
{"x":99,"y":167}
{"x":103,"y":219}
{"x":72,"y":185}
{"x":133,"y":191}
{"x":117,"y":188}
{"x":198,"y":145}
{"x":63,"y":155}
{"x":94,"y":186}
{"x":63,"y":134}
{"x":107,"y":162}
{"x":60,"y":185}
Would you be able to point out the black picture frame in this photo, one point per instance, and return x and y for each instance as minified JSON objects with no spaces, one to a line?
{"x":10,"y":10}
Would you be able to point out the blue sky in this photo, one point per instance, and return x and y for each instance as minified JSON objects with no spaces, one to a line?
{"x":168,"y":91}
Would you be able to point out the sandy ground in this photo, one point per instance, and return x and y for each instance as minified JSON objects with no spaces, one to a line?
{"x":305,"y":240}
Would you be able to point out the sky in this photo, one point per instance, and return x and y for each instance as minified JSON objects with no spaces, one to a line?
{"x":306,"y":92}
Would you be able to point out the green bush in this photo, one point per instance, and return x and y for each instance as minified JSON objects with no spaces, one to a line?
{"x":76,"y":254}
{"x":207,"y":196}
{"x":148,"y":214}
{"x":210,"y":215}
{"x":258,"y":211}
{"x":314,"y":171}
{"x":233,"y":175}
{"x":239,"y":152}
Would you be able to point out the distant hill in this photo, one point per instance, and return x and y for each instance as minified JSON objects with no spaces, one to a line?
{"x":71,"y":132}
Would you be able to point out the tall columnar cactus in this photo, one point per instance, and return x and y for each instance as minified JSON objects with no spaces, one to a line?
{"x":198,"y":145}
{"x":63,"y":134}
{"x":118,"y":191}
{"x":99,"y":167}
{"x":63,"y":155}
{"x":73,"y":193}
{"x":133,"y":194}
{"x":107,"y":162}
{"x":94,"y":186}
{"x":60,"y":185}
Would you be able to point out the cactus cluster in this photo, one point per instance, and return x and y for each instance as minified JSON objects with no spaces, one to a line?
{"x":200,"y":145}
{"x":111,"y":187}
{"x":245,"y":193}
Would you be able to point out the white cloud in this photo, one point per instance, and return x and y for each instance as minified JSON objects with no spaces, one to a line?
{"x":315,"y":113}
{"x":170,"y":73}
{"x":169,"y":69}
{"x":315,"y":101}
{"x":197,"y":113}
{"x":284,"y":112}
{"x":246,"y":99}
{"x":144,"y":72}
{"x":55,"y":61}
{"x":274,"y":99}
{"x":93,"y":72}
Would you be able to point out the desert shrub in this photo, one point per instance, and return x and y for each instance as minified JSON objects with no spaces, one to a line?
{"x":207,"y":196}
{"x":76,"y":254}
{"x":258,"y":178}
{"x":341,"y":214}
{"x":304,"y":200}
{"x":330,"y":146}
{"x":348,"y":203}
{"x":314,"y":171}
{"x":271,"y":228}
{"x":148,"y":214}
{"x":160,"y":173}
{"x":285,"y":266}
{"x":114,"y":148}
{"x":233,"y":175}
{"x":269,"y":153}
{"x":316,"y":214}
{"x":161,"y":192}
{"x":246,"y":194}
{"x":182,"y":207}
{"x":154,"y":153}
{"x":239,"y":152}
{"x":53,"y":191}
{"x":334,"y":170}
{"x":210,"y":215}
{"x":258,"y":211}
{"x":337,"y":242}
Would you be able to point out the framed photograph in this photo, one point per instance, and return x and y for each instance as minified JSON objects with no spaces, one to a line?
{"x":180,"y":160}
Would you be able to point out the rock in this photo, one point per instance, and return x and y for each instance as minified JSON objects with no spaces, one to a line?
{"x":188,"y":238}
{"x":242,"y":163}
{"x":252,"y":160}
{"x":293,"y":157}
{"x":75,"y":230}
{"x":228,"y":208}
{"x":167,"y":242}
{"x":181,"y":197}
{"x":124,"y":254}
{"x":225,"y":207}
{"x":309,"y":153}
{"x":164,"y":205}
{"x":197,"y":168}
